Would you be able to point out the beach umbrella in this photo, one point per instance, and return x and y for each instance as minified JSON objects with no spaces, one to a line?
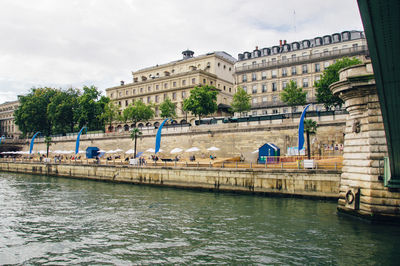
{"x":111,"y":151}
{"x":118,"y":150}
{"x":130,"y":151}
{"x":192,"y":149}
{"x":176,"y":150}
{"x":151,"y":150}
{"x":43,"y":151}
{"x":213,"y":149}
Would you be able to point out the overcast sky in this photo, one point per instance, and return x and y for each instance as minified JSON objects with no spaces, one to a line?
{"x":72,"y":43}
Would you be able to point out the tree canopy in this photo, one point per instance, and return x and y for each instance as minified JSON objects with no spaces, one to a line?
{"x":138,"y":112}
{"x":168,"y":109}
{"x":202,"y":101}
{"x":292,"y":95}
{"x":59,"y":111}
{"x":241,"y":101}
{"x":110,"y":113}
{"x":329,"y":76}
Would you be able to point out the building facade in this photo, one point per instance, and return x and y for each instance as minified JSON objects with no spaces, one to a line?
{"x":174,"y":80}
{"x":265,"y":72}
{"x":8,"y":128}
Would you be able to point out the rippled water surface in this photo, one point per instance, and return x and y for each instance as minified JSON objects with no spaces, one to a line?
{"x":47,"y":220}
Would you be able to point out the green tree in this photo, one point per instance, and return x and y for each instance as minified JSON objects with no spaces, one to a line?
{"x":202,"y":101}
{"x":241,"y":101}
{"x":292,"y":95}
{"x":329,"y":76}
{"x":47,"y":140}
{"x":310,"y":127}
{"x":31,"y":115}
{"x":90,"y":109}
{"x":167,"y":109}
{"x":61,"y":109}
{"x":135,"y":133}
{"x":110,"y":113}
{"x":138,"y":112}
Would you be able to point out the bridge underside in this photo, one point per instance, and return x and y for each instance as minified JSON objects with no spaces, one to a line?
{"x":381,"y":19}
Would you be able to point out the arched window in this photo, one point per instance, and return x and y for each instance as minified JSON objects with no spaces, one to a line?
{"x":126,"y":128}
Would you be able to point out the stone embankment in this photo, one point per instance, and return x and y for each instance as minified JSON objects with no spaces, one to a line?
{"x":295,"y":182}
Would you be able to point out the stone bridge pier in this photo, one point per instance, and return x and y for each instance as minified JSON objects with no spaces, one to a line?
{"x":362,"y":190}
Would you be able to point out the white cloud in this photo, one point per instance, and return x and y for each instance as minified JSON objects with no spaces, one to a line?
{"x":71,"y":43}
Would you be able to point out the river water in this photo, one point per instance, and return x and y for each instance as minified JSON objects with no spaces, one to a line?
{"x":48,"y":220}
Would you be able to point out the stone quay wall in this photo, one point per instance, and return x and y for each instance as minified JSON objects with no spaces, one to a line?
{"x":301,"y":183}
{"x":232,"y":139}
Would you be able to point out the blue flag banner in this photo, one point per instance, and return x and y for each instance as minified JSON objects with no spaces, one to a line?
{"x":32,"y":142}
{"x":2,"y":139}
{"x":158,"y":136}
{"x":78,"y":138}
{"x":301,"y":128}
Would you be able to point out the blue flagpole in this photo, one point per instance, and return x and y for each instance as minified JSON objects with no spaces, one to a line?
{"x":158,"y":136}
{"x":32,"y":142}
{"x":301,"y":129}
{"x":78,"y":139}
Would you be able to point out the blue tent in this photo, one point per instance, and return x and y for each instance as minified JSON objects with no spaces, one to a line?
{"x":92,"y":152}
{"x":268,"y":152}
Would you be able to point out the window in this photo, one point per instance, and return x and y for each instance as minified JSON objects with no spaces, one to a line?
{"x":294,"y":70}
{"x":183,"y":94}
{"x":255,"y":100}
{"x":148,"y":99}
{"x":253,"y":76}
{"x":193,"y":80}
{"x":119,"y":103}
{"x":174,"y":96}
{"x":219,"y":64}
{"x":355,"y":46}
{"x":254,"y":113}
{"x":275,"y":111}
{"x":230,"y":69}
{"x":264,"y":99}
{"x":183,"y":82}
{"x":245,"y":88}
{"x":285,"y":110}
{"x":274,"y":88}
{"x":120,"y":94}
{"x":224,"y":87}
{"x":156,"y":98}
{"x":317,"y":67}
{"x":230,"y":89}
{"x":293,"y":57}
{"x":273,"y":60}
{"x":305,"y":82}
{"x":157,"y":87}
{"x":254,"y":89}
{"x":134,"y":91}
{"x":264,"y":88}
{"x":263,"y":61}
{"x":157,"y":111}
{"x":141,"y":90}
{"x":244,"y":78}
{"x":264,"y":75}
{"x":317,"y":78}
{"x":284,"y":72}
{"x":165,"y":96}
{"x":264,"y":112}
{"x":274,"y":98}
{"x":165,"y":85}
{"x":149,"y":88}
{"x":126,"y":92}
{"x":204,"y":81}
{"x":326,"y":64}
{"x":304,"y":68}
{"x":284,"y":84}
{"x":174,"y":84}
{"x":273,"y":73}
{"x":254,"y":63}
{"x":126,"y":102}
{"x":112,"y":95}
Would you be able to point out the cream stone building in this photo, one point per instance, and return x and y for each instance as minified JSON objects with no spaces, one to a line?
{"x":7,"y":125}
{"x":265,"y":72}
{"x":174,"y":80}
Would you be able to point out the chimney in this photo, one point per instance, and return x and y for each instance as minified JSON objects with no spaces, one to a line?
{"x":256,"y":47}
{"x":280,"y":42}
{"x":284,"y":42}
{"x":122,"y":82}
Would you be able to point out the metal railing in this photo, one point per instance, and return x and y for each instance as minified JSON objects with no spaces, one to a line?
{"x":276,"y":162}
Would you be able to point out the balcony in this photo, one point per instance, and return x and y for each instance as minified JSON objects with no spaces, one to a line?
{"x":352,"y":51}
